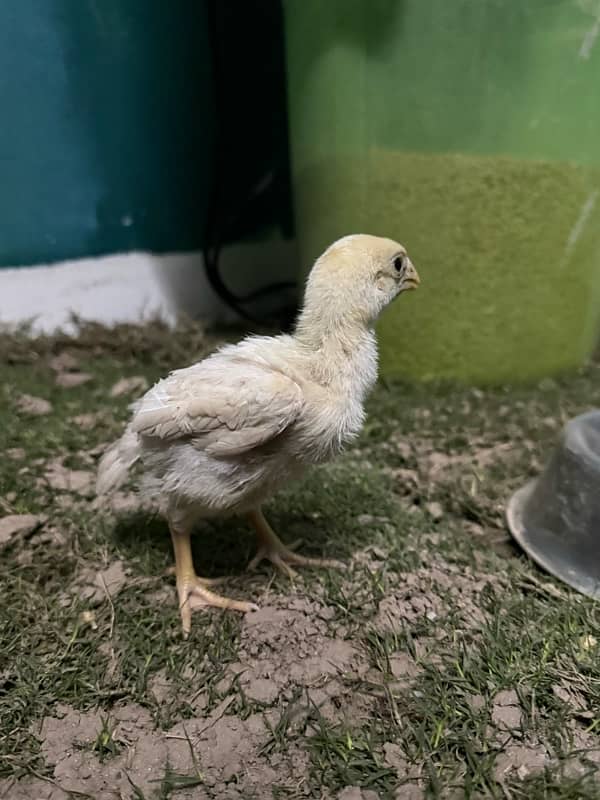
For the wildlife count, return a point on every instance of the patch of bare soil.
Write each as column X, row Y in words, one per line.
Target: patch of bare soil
column 409, row 775
column 234, row 758
column 289, row 661
column 430, row 593
column 458, row 482
column 227, row 756
column 135, row 755
column 520, row 760
column 287, row 647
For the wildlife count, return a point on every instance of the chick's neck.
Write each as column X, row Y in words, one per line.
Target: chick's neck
column 342, row 352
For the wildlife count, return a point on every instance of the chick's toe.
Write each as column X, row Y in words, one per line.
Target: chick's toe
column 271, row 548
column 193, row 594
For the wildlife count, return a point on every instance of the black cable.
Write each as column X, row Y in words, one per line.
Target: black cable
column 231, row 40
column 211, row 260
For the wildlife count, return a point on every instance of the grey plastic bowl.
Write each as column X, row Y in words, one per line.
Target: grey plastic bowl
column 556, row 518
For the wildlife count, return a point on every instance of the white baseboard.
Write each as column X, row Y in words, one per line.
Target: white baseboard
column 129, row 287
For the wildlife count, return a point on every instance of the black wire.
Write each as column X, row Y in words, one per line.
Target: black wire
column 235, row 302
column 212, row 254
column 222, row 215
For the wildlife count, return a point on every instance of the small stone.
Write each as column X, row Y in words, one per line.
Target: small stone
column 368, row 519
column 33, row 406
column 393, row 756
column 404, row 449
column 435, row 510
column 86, row 421
column 409, row 791
column 64, row 479
column 113, row 579
column 506, row 711
column 68, row 380
column 522, row 760
column 262, row 690
column 16, row 453
column 476, row 702
column 351, row 793
column 18, row 525
column 64, row 362
column 407, row 478
column 89, row 618
column 403, row 666
column 137, row 383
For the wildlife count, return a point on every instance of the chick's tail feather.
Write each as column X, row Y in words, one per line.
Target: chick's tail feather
column 117, row 461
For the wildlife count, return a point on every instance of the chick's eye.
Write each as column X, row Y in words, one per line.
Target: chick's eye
column 399, row 263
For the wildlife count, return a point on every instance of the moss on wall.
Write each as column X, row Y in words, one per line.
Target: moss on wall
column 508, row 251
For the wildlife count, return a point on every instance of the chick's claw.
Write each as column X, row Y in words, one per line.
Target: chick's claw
column 282, row 558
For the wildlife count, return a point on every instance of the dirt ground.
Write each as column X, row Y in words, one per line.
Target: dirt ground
column 440, row 664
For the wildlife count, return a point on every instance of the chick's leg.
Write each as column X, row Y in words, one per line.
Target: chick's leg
column 271, row 548
column 192, row 591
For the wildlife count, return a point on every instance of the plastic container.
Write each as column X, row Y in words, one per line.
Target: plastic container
column 556, row 518
column 469, row 131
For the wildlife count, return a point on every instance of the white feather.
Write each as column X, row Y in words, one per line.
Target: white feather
column 222, row 435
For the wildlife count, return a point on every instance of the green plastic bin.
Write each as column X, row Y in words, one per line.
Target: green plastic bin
column 470, row 131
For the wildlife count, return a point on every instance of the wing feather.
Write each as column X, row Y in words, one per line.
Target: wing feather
column 224, row 406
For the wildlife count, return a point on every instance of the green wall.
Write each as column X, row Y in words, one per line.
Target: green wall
column 470, row 131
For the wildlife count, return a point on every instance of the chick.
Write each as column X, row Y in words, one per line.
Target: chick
column 220, row 437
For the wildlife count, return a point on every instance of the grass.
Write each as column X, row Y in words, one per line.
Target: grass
column 416, row 507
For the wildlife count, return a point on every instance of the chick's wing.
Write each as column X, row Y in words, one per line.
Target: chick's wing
column 224, row 406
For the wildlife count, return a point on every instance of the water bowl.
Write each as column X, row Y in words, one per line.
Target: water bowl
column 556, row 517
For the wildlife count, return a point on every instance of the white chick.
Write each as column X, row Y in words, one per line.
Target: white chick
column 220, row 437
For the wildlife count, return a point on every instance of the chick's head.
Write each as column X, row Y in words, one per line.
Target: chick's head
column 357, row 277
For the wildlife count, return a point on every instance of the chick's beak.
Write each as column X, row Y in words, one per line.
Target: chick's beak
column 410, row 279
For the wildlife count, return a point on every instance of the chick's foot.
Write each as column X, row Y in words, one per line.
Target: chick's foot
column 271, row 548
column 193, row 593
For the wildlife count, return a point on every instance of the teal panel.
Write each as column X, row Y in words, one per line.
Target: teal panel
column 106, row 129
